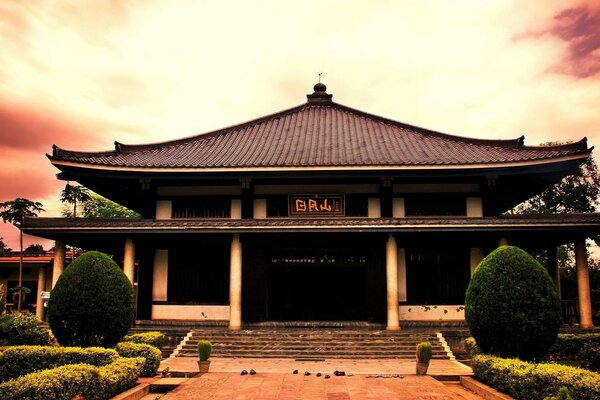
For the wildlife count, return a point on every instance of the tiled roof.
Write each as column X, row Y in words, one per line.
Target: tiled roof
column 525, row 221
column 320, row 133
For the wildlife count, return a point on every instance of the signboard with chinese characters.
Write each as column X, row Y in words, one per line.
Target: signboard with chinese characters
column 316, row 205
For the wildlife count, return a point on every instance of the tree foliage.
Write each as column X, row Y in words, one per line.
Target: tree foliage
column 74, row 194
column 92, row 303
column 34, row 249
column 3, row 247
column 512, row 307
column 97, row 206
column 574, row 194
column 14, row 211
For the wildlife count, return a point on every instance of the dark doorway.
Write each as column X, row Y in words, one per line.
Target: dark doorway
column 437, row 276
column 318, row 288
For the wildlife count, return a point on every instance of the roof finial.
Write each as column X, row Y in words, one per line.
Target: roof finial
column 320, row 73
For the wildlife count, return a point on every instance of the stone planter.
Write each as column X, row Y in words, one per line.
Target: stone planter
column 203, row 366
column 422, row 368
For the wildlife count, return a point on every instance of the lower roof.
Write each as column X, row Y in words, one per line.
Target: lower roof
column 54, row 227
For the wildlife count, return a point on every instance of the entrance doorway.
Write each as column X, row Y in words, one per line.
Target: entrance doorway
column 322, row 287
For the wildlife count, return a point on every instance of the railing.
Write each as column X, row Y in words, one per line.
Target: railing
column 570, row 313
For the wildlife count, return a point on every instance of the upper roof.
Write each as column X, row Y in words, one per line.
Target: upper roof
column 319, row 133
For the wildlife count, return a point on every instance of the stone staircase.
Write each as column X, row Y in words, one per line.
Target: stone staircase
column 312, row 344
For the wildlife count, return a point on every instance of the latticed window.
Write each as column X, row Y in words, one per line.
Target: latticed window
column 202, row 207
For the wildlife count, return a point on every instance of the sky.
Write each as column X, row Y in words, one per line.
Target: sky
column 82, row 74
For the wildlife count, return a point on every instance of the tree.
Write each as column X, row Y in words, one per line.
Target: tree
column 14, row 212
column 574, row 194
column 3, row 247
column 512, row 307
column 97, row 206
column 34, row 249
column 92, row 303
column 72, row 194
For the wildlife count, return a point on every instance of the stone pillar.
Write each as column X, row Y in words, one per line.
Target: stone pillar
column 503, row 242
column 235, row 284
column 583, row 285
column 39, row 310
column 393, row 323
column 129, row 259
column 553, row 268
column 476, row 257
column 58, row 263
column 160, row 275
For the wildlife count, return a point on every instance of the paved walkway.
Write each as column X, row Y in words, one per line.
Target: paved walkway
column 276, row 386
column 384, row 379
column 279, row 365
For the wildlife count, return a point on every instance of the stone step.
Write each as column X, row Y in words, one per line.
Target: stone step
column 313, row 355
column 339, row 345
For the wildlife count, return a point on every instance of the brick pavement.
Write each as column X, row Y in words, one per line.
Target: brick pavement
column 286, row 386
column 279, row 365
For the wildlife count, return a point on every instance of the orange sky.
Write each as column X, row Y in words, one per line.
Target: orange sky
column 82, row 74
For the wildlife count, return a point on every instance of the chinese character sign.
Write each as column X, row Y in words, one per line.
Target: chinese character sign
column 316, row 205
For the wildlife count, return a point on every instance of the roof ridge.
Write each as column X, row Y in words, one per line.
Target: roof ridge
column 508, row 143
column 124, row 148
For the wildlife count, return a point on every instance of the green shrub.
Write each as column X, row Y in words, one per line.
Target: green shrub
column 569, row 345
column 21, row 360
column 563, row 394
column 424, row 352
column 17, row 329
column 156, row 339
column 528, row 381
column 471, row 347
column 69, row 381
column 150, row 353
column 204, row 349
column 512, row 307
column 92, row 303
column 590, row 356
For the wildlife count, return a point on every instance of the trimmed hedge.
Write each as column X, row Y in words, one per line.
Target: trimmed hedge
column 69, row 381
column 103, row 321
column 17, row 361
column 590, row 356
column 512, row 307
column 156, row 339
column 569, row 344
column 150, row 353
column 21, row 329
column 528, row 381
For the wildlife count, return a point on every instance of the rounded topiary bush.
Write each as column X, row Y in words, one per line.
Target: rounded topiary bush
column 512, row 307
column 92, row 303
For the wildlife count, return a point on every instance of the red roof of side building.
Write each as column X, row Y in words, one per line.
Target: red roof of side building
column 320, row 133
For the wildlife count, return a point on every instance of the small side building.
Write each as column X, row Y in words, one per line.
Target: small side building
column 318, row 212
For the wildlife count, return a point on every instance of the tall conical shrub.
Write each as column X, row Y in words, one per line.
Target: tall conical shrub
column 92, row 303
column 512, row 307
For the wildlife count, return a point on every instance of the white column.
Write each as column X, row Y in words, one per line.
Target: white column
column 160, row 275
column 503, row 242
column 41, row 286
column 129, row 259
column 583, row 285
column 58, row 263
column 476, row 257
column 393, row 323
column 235, row 284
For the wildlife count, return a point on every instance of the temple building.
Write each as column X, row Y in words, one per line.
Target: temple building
column 317, row 213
